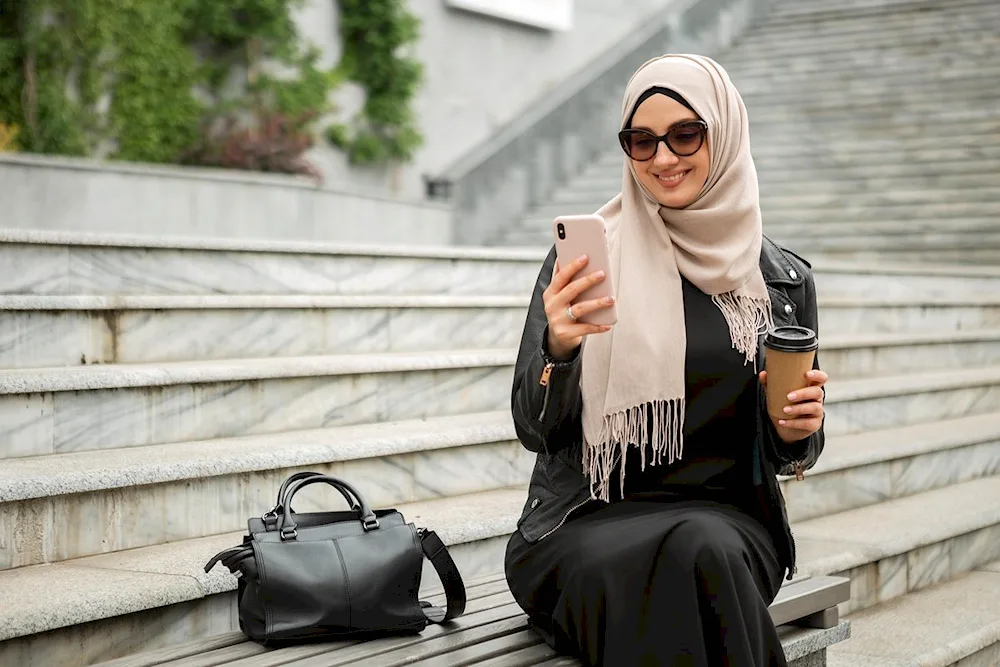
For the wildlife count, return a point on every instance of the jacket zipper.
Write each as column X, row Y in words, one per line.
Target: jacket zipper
column 800, row 473
column 565, row 516
column 544, row 381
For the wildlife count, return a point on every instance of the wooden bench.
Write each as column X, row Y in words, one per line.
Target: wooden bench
column 493, row 633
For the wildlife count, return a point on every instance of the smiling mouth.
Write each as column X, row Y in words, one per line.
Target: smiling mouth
column 671, row 180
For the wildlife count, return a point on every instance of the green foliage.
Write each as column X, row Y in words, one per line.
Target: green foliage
column 160, row 80
column 375, row 32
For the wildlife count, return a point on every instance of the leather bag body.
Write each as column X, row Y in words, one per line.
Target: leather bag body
column 332, row 575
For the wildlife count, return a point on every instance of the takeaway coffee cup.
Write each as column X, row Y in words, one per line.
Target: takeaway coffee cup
column 790, row 354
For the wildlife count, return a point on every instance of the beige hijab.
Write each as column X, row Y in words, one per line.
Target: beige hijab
column 633, row 380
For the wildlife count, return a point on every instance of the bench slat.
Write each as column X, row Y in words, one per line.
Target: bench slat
column 222, row 656
column 342, row 653
column 526, row 657
column 164, row 655
column 498, row 647
column 800, row 600
column 479, row 580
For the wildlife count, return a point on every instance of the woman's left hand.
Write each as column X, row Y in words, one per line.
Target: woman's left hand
column 805, row 416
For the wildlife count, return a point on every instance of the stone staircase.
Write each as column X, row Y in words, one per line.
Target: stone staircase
column 156, row 392
column 874, row 127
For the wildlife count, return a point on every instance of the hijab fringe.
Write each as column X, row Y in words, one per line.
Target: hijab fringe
column 747, row 318
column 665, row 418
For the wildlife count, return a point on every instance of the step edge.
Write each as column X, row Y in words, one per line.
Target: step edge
column 245, row 454
column 137, row 376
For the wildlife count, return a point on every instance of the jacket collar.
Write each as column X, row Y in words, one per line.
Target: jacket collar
column 777, row 267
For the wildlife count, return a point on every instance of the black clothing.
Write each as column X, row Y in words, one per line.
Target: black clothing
column 682, row 570
column 719, row 419
column 547, row 418
column 641, row 582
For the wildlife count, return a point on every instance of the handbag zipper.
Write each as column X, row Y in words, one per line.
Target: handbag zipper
column 566, row 516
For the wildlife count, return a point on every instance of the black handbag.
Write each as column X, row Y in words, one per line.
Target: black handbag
column 332, row 575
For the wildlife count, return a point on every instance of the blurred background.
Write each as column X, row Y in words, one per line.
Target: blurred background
column 241, row 238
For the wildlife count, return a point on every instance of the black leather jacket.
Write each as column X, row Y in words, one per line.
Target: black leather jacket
column 547, row 414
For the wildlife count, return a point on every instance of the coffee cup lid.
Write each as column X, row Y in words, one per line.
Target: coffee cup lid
column 791, row 339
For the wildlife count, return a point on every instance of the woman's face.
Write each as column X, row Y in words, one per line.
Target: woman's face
column 674, row 181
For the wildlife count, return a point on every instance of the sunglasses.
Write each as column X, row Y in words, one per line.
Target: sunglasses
column 683, row 140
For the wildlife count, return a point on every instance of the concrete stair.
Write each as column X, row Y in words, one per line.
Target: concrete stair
column 122, row 475
column 856, row 162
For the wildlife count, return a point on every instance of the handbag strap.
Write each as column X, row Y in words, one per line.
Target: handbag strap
column 451, row 578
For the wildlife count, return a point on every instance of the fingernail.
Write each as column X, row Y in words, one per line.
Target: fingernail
column 782, row 422
column 788, row 410
column 583, row 258
column 610, row 299
column 792, row 396
column 600, row 274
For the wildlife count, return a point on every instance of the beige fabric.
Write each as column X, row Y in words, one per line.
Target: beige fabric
column 633, row 377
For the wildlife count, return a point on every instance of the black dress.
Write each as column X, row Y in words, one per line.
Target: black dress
column 681, row 571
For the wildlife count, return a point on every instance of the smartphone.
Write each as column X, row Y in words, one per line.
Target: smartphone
column 587, row 235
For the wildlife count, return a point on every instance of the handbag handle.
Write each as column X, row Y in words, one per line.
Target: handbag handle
column 303, row 475
column 289, row 527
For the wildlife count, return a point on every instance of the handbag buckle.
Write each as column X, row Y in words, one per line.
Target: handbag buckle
column 370, row 523
column 289, row 533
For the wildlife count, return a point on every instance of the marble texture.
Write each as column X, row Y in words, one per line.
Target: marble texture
column 44, row 338
column 937, row 626
column 827, row 491
column 268, row 269
column 802, row 642
column 111, row 638
column 860, row 360
column 846, row 416
column 63, row 527
column 65, row 421
column 850, row 316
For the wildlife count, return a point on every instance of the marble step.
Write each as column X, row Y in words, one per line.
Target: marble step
column 41, row 331
column 862, row 404
column 874, row 117
column 876, row 227
column 884, row 66
column 952, row 623
column 879, row 354
column 62, row 410
column 118, row 603
column 53, row 263
column 861, row 316
column 937, row 34
column 139, row 588
column 867, row 468
column 872, row 78
column 931, row 243
column 69, row 506
column 847, row 211
column 903, row 545
column 986, row 257
column 810, row 11
column 901, row 33
column 828, row 98
column 911, row 282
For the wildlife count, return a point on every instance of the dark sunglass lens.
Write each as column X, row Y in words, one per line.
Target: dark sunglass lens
column 641, row 145
column 686, row 139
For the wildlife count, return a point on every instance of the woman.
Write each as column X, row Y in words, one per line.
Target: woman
column 654, row 532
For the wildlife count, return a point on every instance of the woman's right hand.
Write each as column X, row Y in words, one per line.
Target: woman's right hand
column 565, row 334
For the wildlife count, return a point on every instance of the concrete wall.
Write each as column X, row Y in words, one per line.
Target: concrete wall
column 480, row 74
column 80, row 195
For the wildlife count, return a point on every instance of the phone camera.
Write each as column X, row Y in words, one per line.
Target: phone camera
column 561, row 230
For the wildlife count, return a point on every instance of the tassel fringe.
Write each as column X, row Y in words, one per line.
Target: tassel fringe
column 659, row 425
column 747, row 317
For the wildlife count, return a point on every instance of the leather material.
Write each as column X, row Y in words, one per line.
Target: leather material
column 329, row 575
column 547, row 418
